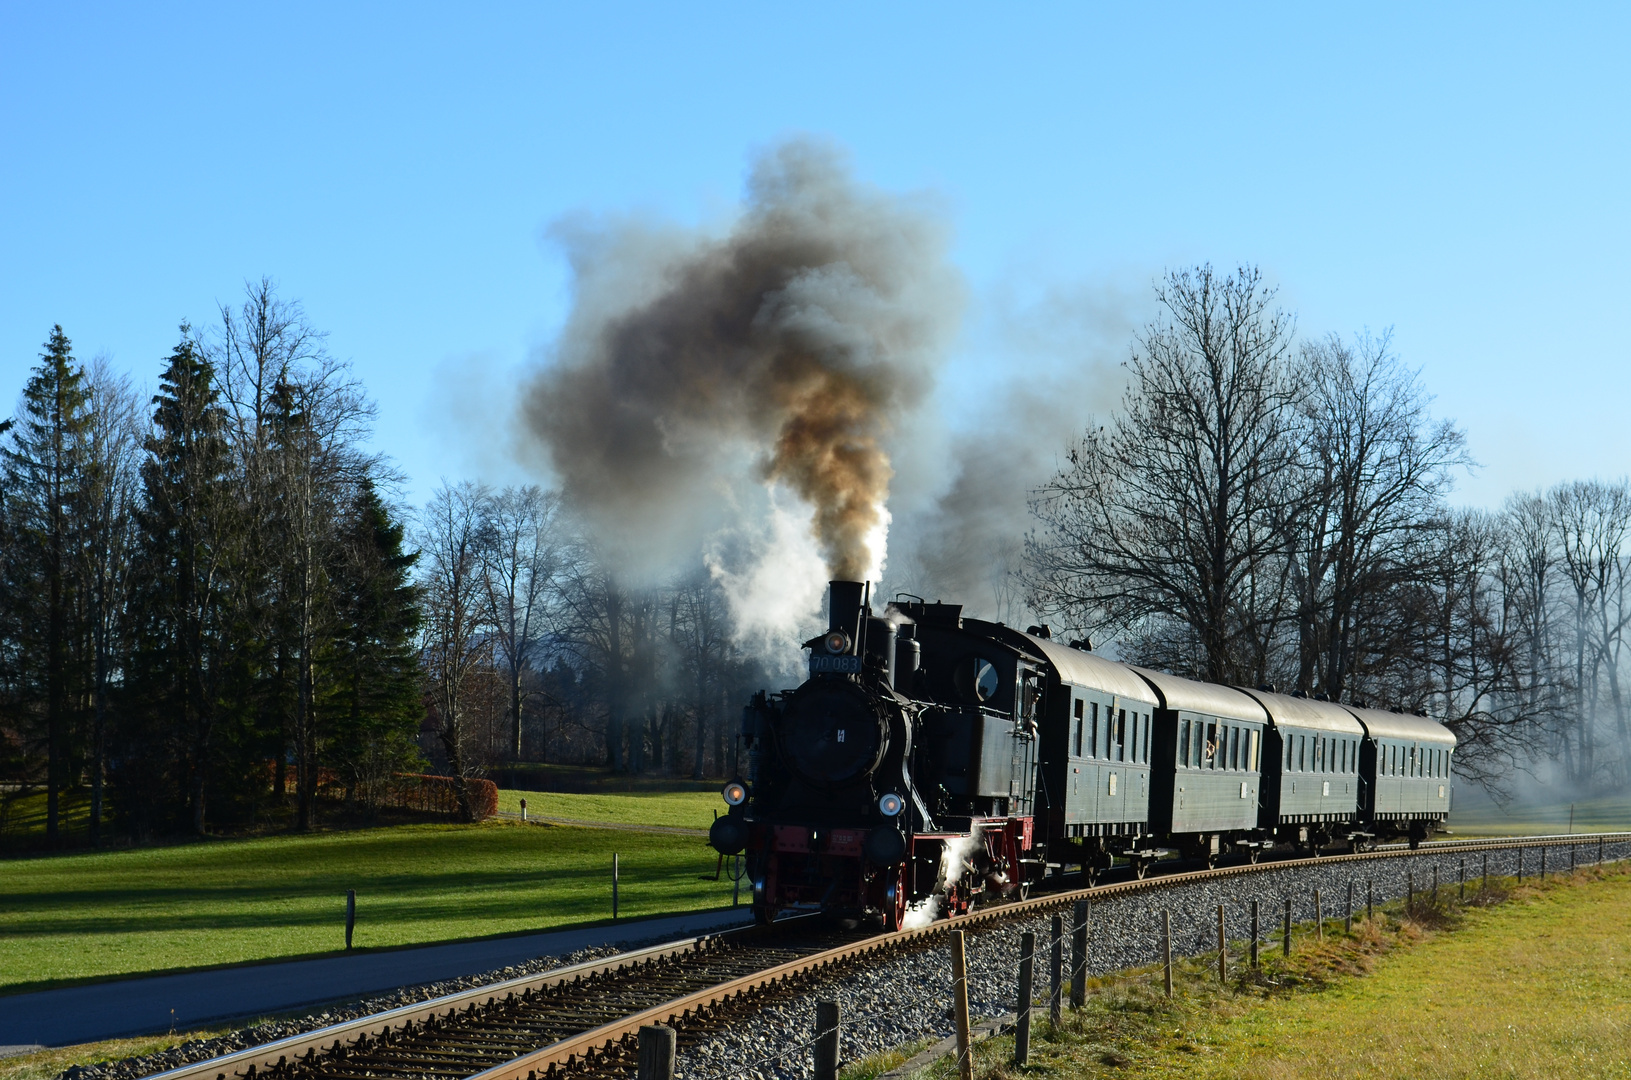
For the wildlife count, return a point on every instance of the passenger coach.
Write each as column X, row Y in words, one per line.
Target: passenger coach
column 1311, row 792
column 1406, row 763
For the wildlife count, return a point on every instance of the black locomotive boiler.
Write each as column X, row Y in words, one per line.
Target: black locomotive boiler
column 931, row 762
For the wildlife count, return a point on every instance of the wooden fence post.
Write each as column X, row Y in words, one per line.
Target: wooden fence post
column 1369, row 909
column 1223, row 954
column 1348, row 920
column 350, row 915
column 1461, row 884
column 1166, row 948
column 1287, row 942
column 1486, row 870
column 1543, row 862
column 614, row 885
column 1022, row 1010
column 826, row 1040
column 1078, row 955
column 1257, row 935
column 959, row 1003
column 656, row 1060
column 1056, row 969
column 1319, row 918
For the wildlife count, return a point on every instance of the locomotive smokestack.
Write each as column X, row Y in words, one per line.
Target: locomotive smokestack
column 844, row 609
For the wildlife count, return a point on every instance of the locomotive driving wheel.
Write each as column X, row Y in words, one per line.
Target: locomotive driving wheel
column 896, row 898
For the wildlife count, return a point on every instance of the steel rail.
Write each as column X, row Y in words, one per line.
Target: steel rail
column 255, row 1059
column 613, row 1041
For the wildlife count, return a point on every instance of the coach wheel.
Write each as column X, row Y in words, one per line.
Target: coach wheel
column 1211, row 860
column 1140, row 869
column 763, row 914
column 1254, row 855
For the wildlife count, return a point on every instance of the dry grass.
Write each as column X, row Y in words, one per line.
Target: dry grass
column 1522, row 981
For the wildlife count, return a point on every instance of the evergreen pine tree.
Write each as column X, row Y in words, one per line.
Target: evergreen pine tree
column 376, row 703
column 183, row 555
column 45, row 480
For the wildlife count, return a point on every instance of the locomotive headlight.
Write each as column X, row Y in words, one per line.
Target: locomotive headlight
column 736, row 793
column 891, row 805
column 837, row 642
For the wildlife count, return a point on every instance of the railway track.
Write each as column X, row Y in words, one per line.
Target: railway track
column 582, row 1019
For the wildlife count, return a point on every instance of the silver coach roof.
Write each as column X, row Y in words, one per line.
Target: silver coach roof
column 1089, row 669
column 1209, row 698
column 1392, row 725
column 1306, row 712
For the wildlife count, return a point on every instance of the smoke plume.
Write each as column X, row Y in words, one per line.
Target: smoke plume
column 695, row 367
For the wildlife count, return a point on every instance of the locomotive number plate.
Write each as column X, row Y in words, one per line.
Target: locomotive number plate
column 837, row 665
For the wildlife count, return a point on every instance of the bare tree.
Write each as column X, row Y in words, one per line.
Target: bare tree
column 1374, row 472
column 456, row 648
column 113, row 480
column 1590, row 520
column 521, row 554
column 1168, row 516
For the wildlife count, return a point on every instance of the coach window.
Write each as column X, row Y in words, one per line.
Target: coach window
column 1079, row 722
column 1255, row 735
column 1234, row 747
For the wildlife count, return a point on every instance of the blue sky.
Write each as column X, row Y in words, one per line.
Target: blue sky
column 1459, row 174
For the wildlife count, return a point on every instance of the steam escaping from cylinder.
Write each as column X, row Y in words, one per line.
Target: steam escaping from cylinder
column 700, row 373
column 954, row 864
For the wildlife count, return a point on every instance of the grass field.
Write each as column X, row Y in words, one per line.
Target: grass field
column 682, row 809
column 1478, row 816
column 78, row 917
column 22, row 817
column 1537, row 986
column 585, row 780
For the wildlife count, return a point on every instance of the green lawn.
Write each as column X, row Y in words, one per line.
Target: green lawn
column 685, row 809
column 22, row 817
column 76, row 917
column 1475, row 816
column 1537, row 986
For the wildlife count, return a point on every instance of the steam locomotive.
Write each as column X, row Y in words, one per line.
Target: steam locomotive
column 932, row 762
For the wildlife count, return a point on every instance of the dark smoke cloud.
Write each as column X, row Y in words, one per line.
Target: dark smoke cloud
column 783, row 350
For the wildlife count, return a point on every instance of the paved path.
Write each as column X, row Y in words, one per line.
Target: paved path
column 110, row 1010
